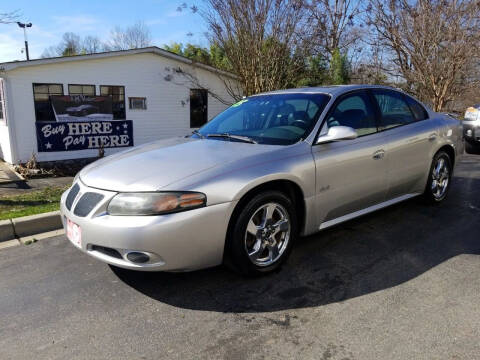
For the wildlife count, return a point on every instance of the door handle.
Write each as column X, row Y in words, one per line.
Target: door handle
column 432, row 137
column 379, row 154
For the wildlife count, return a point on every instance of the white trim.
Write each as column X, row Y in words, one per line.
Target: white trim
column 365, row 211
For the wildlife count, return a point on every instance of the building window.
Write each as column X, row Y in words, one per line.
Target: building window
column 87, row 90
column 41, row 98
column 3, row 115
column 117, row 93
column 137, row 103
column 198, row 107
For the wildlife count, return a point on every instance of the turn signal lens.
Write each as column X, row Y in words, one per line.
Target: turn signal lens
column 155, row 203
column 191, row 200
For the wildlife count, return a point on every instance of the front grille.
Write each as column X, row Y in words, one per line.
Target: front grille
column 71, row 196
column 86, row 203
column 106, row 251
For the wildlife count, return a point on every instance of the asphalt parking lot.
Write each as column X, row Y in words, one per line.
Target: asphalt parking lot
column 401, row 283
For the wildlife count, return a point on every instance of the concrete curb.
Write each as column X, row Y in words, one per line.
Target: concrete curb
column 29, row 225
column 6, row 230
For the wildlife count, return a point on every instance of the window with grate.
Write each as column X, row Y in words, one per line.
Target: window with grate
column 137, row 103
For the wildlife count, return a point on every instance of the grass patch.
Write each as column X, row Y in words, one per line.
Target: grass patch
column 35, row 202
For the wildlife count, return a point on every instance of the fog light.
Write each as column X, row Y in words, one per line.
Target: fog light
column 469, row 132
column 138, row 257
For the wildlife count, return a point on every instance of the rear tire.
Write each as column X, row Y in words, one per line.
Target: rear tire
column 262, row 234
column 439, row 178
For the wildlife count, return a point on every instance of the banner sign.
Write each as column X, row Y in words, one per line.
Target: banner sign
column 68, row 136
column 81, row 107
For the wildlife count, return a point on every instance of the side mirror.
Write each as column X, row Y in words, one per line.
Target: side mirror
column 337, row 133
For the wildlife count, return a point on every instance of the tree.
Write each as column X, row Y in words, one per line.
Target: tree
column 213, row 56
column 262, row 40
column 133, row 37
column 314, row 73
column 92, row 45
column 332, row 24
column 339, row 68
column 433, row 45
column 71, row 44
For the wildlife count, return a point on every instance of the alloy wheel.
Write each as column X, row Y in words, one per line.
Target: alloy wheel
column 440, row 178
column 267, row 234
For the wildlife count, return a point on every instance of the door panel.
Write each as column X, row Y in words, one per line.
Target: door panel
column 410, row 137
column 408, row 155
column 351, row 175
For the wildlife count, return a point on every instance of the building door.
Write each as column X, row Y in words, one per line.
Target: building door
column 198, row 107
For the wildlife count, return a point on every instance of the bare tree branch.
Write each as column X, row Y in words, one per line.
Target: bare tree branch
column 9, row 17
column 133, row 37
column 433, row 44
column 262, row 40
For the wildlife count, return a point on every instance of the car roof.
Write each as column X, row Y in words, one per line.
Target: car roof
column 333, row 90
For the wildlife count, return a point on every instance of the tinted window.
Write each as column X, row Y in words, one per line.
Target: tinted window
column 356, row 111
column 394, row 109
column 280, row 119
column 418, row 110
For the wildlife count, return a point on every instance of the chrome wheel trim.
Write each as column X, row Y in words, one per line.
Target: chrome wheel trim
column 267, row 234
column 440, row 178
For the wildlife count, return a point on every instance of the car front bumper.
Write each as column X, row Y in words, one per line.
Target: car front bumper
column 181, row 241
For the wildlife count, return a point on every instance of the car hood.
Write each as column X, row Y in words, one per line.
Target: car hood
column 151, row 166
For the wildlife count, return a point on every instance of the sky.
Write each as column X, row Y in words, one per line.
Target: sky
column 52, row 18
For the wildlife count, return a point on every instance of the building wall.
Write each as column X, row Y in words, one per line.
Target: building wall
column 143, row 75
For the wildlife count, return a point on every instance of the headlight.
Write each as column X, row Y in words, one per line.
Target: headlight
column 156, row 203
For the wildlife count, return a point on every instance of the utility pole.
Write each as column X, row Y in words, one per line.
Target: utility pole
column 24, row 26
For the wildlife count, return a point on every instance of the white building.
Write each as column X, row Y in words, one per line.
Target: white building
column 162, row 94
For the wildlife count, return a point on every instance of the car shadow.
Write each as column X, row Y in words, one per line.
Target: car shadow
column 375, row 252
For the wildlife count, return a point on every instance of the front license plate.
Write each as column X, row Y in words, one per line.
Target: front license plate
column 74, row 233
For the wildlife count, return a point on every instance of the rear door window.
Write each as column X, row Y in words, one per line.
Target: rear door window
column 394, row 109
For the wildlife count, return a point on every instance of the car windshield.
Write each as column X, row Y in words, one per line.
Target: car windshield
column 278, row 119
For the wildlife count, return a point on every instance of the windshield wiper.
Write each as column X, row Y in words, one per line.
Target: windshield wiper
column 235, row 137
column 196, row 132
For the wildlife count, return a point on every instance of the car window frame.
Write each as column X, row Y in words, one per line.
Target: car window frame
column 404, row 96
column 341, row 98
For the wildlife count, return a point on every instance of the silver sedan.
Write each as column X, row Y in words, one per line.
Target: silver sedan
column 272, row 167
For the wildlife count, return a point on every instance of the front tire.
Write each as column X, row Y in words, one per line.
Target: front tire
column 439, row 178
column 262, row 234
